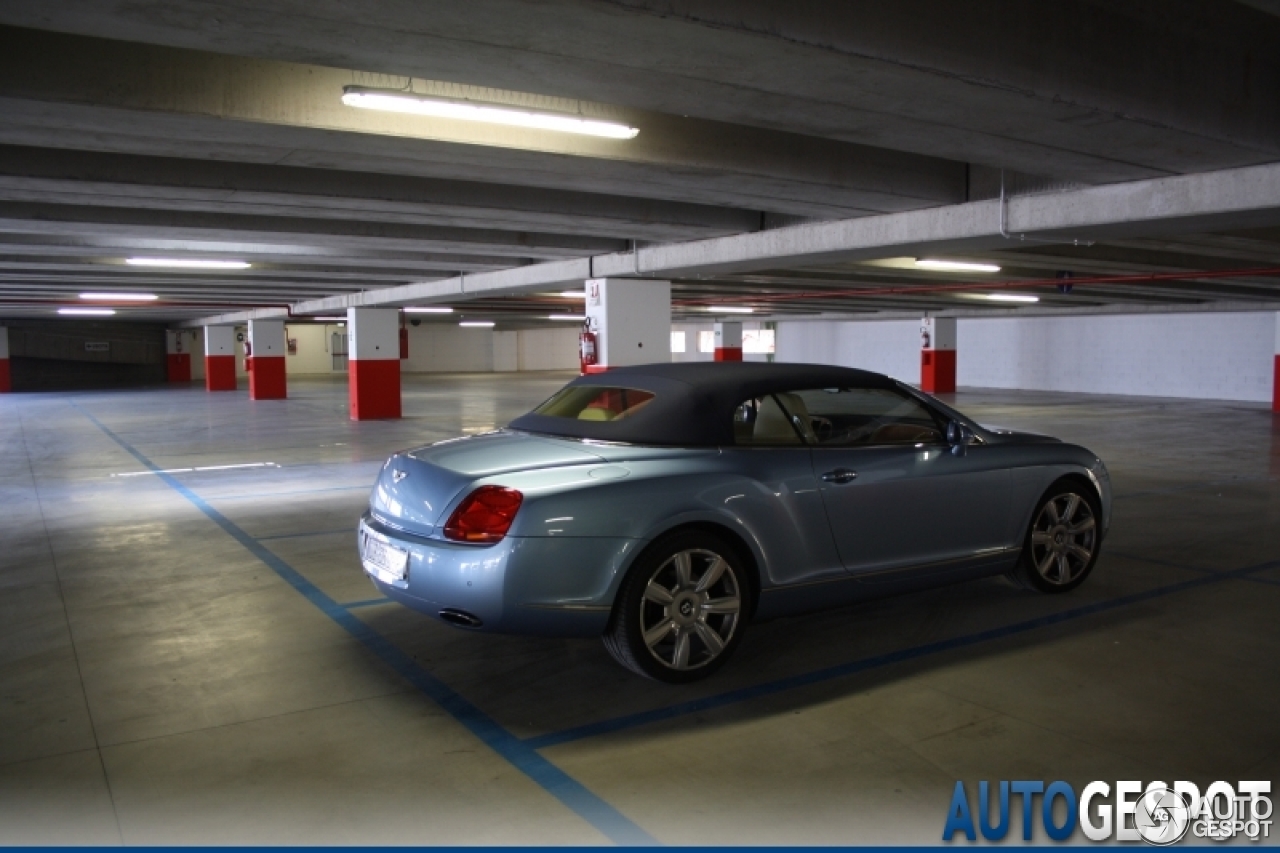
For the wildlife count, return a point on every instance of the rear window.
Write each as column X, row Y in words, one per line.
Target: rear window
column 595, row 403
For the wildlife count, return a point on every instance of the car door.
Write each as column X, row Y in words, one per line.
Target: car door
column 894, row 493
column 784, row 509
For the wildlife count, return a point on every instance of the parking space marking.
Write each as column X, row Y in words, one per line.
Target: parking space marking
column 571, row 793
column 347, row 530
column 277, row 494
column 372, row 602
column 744, row 694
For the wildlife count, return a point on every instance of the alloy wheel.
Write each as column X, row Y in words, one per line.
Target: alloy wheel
column 1063, row 538
column 690, row 609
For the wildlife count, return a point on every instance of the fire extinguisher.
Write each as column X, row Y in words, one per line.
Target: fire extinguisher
column 588, row 353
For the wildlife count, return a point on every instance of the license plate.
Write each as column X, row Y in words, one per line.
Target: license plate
column 383, row 560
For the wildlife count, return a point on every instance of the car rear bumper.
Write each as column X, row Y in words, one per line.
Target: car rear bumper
column 553, row 586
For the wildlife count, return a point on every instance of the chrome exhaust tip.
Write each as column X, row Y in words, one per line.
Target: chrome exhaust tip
column 461, row 618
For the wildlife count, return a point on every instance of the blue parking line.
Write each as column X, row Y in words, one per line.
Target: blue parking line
column 372, row 602
column 733, row 697
column 270, row 494
column 573, row 794
column 350, row 529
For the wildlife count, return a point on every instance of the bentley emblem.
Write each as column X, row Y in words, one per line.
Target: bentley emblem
column 397, row 475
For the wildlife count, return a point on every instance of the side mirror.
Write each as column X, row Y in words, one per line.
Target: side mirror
column 959, row 436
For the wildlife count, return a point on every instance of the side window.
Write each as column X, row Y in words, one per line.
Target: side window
column 762, row 422
column 843, row 417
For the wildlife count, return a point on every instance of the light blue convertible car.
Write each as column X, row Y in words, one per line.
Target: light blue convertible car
column 663, row 507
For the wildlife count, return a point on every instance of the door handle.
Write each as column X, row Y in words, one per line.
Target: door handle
column 839, row 475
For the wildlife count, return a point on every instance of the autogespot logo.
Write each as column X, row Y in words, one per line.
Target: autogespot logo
column 1158, row 814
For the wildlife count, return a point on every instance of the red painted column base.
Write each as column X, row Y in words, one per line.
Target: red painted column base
column 178, row 367
column 220, row 373
column 1275, row 391
column 595, row 368
column 728, row 354
column 5, row 382
column 938, row 371
column 374, row 389
column 266, row 378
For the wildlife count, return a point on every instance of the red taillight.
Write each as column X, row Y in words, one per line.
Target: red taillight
column 484, row 516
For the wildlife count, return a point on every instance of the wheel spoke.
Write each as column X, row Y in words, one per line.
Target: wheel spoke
column 658, row 633
column 1039, row 537
column 684, row 570
column 1064, row 568
column 680, row 660
column 1085, row 525
column 1043, row 566
column 657, row 594
column 1052, row 509
column 727, row 605
column 709, row 637
column 1073, row 503
column 712, row 575
column 1082, row 553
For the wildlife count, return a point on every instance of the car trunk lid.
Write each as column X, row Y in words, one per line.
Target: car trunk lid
column 415, row 487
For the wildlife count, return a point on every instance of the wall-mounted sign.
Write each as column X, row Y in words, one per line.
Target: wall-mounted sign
column 97, row 346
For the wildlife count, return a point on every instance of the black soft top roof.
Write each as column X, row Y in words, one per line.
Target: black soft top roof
column 693, row 402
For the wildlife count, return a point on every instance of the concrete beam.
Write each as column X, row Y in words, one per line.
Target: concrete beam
column 1213, row 201
column 37, row 218
column 67, row 176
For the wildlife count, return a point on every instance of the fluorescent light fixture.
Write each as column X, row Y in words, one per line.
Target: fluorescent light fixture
column 1012, row 297
column 954, row 266
column 426, row 309
column 477, row 324
column 578, row 317
column 405, row 102
column 574, row 294
column 188, row 263
column 728, row 309
column 330, row 319
column 120, row 297
column 87, row 312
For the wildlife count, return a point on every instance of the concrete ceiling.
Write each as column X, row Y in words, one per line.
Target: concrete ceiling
column 214, row 129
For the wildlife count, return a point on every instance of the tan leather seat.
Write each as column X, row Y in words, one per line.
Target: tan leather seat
column 595, row 414
column 773, row 426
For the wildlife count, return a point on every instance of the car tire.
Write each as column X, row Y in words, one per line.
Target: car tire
column 1062, row 541
column 681, row 610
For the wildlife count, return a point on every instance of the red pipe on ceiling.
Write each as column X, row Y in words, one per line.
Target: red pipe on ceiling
column 986, row 285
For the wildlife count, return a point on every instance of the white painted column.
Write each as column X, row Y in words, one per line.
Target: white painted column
column 373, row 353
column 728, row 338
column 177, row 348
column 1275, row 377
column 6, row 383
column 938, row 355
column 631, row 320
column 266, row 360
column 220, row 358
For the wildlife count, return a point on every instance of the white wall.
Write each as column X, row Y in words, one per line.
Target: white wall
column 448, row 348
column 506, row 351
column 548, row 349
column 889, row 346
column 1212, row 356
column 442, row 347
column 314, row 355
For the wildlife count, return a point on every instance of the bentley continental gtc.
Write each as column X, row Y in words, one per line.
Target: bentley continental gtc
column 664, row 507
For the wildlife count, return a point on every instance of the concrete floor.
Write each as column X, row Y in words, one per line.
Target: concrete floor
column 195, row 657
